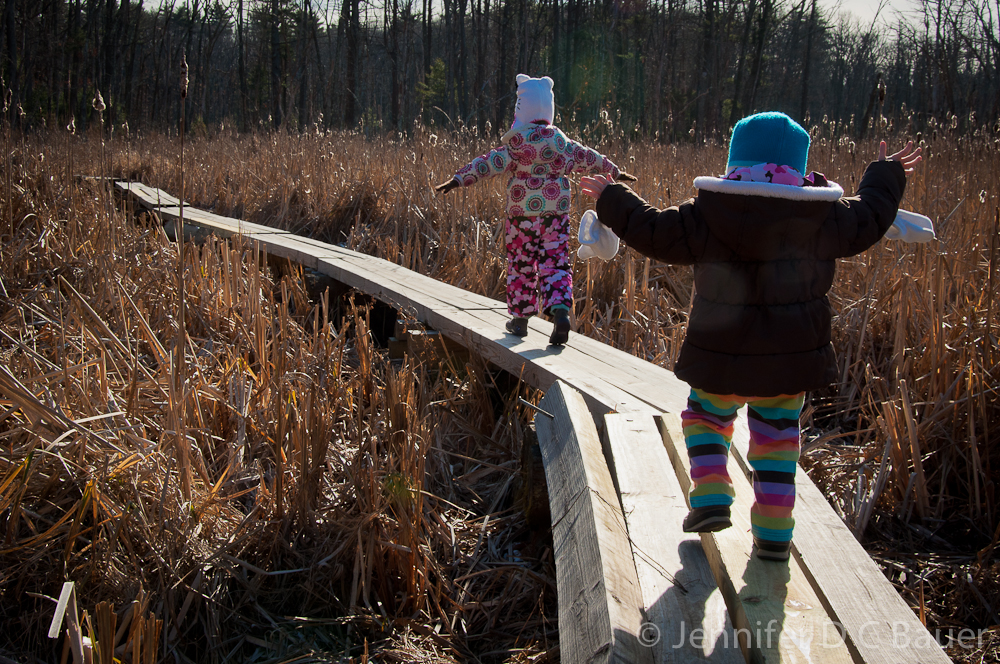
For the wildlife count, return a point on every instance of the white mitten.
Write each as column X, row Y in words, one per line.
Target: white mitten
column 911, row 227
column 596, row 239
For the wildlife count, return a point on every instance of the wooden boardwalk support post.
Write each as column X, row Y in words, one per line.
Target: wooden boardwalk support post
column 600, row 617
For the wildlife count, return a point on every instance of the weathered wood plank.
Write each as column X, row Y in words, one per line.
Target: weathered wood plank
column 148, row 197
column 778, row 615
column 600, row 603
column 877, row 624
column 687, row 621
column 590, row 359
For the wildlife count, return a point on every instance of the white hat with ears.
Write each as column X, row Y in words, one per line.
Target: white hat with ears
column 535, row 101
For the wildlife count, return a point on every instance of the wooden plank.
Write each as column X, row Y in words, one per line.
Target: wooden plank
column 879, row 627
column 197, row 222
column 777, row 613
column 148, row 197
column 687, row 621
column 600, row 604
column 66, row 611
column 408, row 290
column 533, row 361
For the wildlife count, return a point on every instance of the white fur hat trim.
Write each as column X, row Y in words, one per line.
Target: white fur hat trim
column 831, row 192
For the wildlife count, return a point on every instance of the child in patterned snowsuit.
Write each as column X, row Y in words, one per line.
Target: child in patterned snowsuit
column 537, row 156
column 763, row 240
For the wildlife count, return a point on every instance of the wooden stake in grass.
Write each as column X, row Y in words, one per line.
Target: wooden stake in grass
column 178, row 406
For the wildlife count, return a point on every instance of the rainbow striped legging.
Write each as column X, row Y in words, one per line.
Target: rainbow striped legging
column 774, row 452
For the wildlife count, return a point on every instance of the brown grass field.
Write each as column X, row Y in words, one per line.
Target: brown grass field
column 282, row 491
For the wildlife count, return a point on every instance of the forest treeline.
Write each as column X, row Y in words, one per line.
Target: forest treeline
column 656, row 68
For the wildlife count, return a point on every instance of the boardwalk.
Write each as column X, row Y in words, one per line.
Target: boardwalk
column 632, row 586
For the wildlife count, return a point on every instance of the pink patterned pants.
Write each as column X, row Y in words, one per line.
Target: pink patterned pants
column 538, row 262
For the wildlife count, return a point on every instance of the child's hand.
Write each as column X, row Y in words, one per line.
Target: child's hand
column 908, row 157
column 445, row 187
column 593, row 186
column 626, row 177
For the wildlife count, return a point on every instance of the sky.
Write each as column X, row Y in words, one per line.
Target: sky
column 864, row 10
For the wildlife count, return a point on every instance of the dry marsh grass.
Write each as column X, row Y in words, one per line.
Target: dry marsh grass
column 281, row 517
column 295, row 494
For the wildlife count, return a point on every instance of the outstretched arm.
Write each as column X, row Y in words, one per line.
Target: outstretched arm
column 484, row 166
column 860, row 221
column 673, row 235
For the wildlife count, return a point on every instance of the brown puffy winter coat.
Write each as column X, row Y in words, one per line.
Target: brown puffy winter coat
column 764, row 257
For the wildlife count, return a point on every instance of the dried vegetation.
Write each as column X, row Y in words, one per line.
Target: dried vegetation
column 294, row 471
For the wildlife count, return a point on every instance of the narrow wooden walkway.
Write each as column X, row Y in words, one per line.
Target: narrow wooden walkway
column 632, row 586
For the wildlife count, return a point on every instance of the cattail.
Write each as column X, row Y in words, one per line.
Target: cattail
column 99, row 103
column 881, row 91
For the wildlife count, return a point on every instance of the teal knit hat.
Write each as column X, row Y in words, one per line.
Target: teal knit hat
column 769, row 138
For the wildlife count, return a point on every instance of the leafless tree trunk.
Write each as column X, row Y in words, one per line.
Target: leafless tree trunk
column 763, row 24
column 242, row 67
column 276, row 68
column 807, row 61
column 351, row 11
column 12, row 64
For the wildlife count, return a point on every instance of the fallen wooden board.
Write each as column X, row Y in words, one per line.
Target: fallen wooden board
column 600, row 604
column 778, row 615
column 687, row 621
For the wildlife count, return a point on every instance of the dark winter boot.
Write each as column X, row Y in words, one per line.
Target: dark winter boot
column 707, row 519
column 518, row 327
column 771, row 550
column 560, row 328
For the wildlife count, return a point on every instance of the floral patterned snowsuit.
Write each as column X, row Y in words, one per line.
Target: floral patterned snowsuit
column 538, row 157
